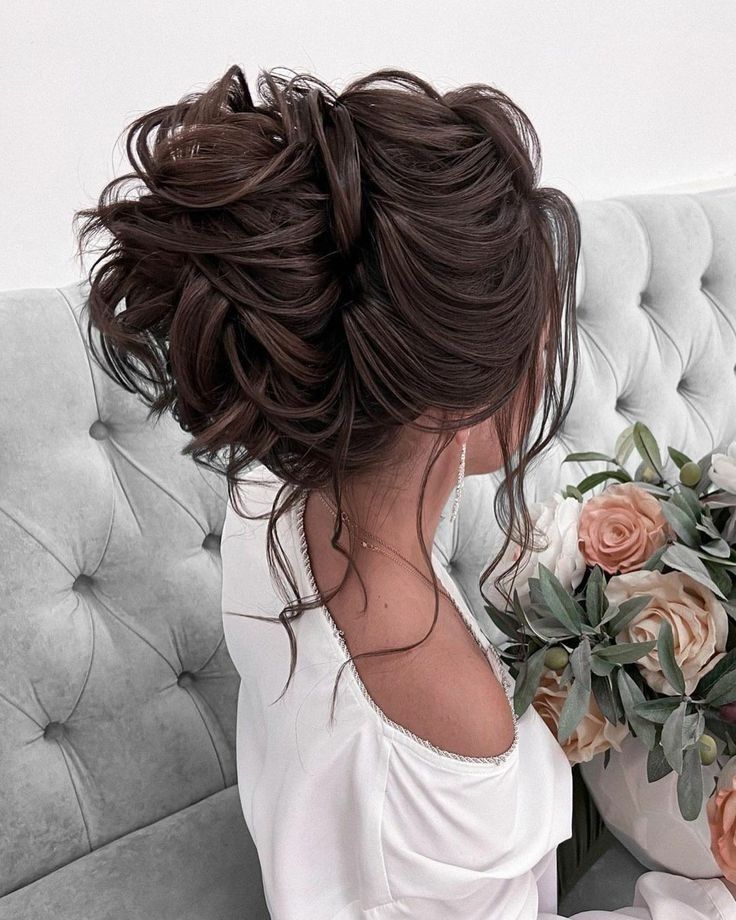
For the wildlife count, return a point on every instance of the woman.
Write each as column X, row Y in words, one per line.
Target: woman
column 352, row 302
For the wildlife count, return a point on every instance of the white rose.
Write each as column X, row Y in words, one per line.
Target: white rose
column 723, row 468
column 557, row 521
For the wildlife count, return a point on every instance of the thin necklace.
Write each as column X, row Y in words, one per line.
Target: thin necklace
column 381, row 543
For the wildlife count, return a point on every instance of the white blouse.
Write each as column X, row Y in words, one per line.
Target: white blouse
column 364, row 819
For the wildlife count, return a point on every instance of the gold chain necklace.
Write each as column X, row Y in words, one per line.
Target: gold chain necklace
column 377, row 546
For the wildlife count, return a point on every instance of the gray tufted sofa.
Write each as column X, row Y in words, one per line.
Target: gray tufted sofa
column 118, row 794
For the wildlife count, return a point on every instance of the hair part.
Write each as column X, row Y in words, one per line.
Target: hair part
column 304, row 277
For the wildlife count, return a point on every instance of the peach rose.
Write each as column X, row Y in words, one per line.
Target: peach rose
column 594, row 732
column 620, row 528
column 699, row 623
column 721, row 811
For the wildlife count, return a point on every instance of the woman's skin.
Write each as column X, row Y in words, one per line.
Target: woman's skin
column 444, row 689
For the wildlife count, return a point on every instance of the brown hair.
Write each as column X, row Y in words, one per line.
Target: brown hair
column 304, row 277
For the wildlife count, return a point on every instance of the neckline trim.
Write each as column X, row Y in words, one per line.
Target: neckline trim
column 489, row 650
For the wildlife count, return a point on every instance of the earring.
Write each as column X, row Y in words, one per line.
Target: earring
column 459, row 484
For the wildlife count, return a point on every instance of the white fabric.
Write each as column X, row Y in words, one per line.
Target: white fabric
column 363, row 819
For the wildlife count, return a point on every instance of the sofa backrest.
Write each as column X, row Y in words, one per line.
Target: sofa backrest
column 117, row 694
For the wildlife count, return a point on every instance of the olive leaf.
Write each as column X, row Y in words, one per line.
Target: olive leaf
column 672, row 736
column 626, row 612
column 624, row 444
column 608, row 700
column 687, row 499
column 655, row 560
column 559, row 602
column 723, row 690
column 678, row 457
column 595, row 479
column 503, row 621
column 690, row 784
column 681, row 522
column 580, row 662
column 578, row 696
column 686, row 560
column 646, row 445
column 575, row 707
column 657, row 764
column 723, row 666
column 624, row 652
column 601, row 666
column 527, row 681
column 666, row 655
column 657, row 710
column 631, row 695
column 693, row 726
column 596, row 602
column 588, row 455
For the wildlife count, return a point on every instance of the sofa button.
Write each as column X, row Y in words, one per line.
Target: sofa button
column 99, row 430
column 185, row 679
column 211, row 542
column 53, row 731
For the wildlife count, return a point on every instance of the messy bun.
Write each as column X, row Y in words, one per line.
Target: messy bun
column 306, row 275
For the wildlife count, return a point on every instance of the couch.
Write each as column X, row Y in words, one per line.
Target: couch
column 118, row 787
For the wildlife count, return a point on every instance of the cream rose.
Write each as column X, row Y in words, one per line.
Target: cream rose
column 622, row 527
column 722, row 469
column 721, row 812
column 699, row 623
column 594, row 732
column 557, row 521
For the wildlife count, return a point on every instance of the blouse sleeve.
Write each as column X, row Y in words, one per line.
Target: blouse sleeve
column 438, row 818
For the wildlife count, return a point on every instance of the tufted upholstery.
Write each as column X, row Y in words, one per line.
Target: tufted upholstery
column 117, row 695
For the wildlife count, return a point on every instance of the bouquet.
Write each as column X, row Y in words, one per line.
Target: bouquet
column 625, row 623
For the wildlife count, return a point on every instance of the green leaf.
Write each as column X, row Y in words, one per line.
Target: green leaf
column 525, row 618
column 690, row 784
column 723, row 691
column 658, row 710
column 625, row 652
column 559, row 602
column 657, row 764
column 708, row 527
column 575, row 707
column 655, row 560
column 722, row 666
column 630, row 696
column 679, row 458
column 507, row 624
column 624, row 444
column 627, row 610
column 602, row 667
column 718, row 548
column 527, row 682
column 595, row 479
column 672, row 737
column 666, row 654
column 682, row 558
column 693, row 727
column 580, row 662
column 596, row 602
column 681, row 523
column 572, row 491
column 604, row 695
column 588, row 455
column 687, row 498
column 646, row 445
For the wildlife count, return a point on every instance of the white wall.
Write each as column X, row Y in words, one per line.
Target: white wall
column 627, row 96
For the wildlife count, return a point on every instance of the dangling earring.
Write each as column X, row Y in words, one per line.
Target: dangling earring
column 459, row 485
